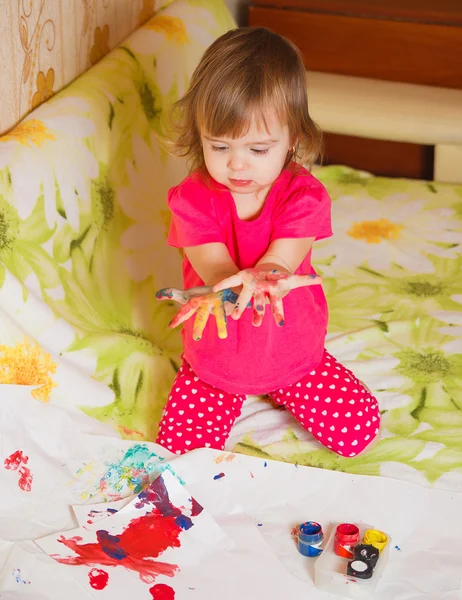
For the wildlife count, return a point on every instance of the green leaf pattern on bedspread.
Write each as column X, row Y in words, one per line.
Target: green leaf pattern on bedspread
column 83, row 223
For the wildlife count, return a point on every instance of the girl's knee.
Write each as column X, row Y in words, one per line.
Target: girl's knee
column 364, row 435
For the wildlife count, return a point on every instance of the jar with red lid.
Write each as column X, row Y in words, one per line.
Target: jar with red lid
column 346, row 538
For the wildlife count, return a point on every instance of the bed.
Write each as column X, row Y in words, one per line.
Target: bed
column 87, row 359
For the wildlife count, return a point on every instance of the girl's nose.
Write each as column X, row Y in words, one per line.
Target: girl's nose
column 237, row 163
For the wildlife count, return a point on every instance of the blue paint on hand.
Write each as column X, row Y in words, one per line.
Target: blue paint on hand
column 164, row 293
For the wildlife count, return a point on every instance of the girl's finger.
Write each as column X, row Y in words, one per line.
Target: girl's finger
column 277, row 307
column 259, row 301
column 220, row 316
column 229, row 282
column 297, row 281
column 241, row 304
column 172, row 294
column 200, row 321
column 201, row 290
column 183, row 314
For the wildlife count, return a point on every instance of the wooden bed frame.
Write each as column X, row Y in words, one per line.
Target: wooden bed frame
column 385, row 80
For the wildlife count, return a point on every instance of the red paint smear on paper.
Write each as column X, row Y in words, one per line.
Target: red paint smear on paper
column 25, row 479
column 17, row 462
column 196, row 508
column 143, row 540
column 161, row 591
column 98, row 579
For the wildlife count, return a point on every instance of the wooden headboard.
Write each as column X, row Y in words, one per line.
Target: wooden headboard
column 407, row 41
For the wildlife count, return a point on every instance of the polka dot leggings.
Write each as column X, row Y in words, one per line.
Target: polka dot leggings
column 330, row 402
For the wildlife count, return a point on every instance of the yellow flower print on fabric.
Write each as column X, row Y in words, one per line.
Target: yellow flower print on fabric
column 44, row 87
column 32, row 132
column 173, row 27
column 373, row 232
column 27, row 364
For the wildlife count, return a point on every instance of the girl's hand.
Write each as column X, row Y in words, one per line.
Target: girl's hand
column 203, row 301
column 261, row 285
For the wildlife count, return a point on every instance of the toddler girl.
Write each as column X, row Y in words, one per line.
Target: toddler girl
column 246, row 218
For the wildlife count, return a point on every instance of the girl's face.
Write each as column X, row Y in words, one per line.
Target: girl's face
column 250, row 164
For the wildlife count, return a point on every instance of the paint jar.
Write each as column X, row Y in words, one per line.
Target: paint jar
column 350, row 578
column 346, row 538
column 359, row 569
column 366, row 553
column 375, row 538
column 310, row 538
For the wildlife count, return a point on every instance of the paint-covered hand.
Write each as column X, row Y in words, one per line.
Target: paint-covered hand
column 262, row 286
column 202, row 302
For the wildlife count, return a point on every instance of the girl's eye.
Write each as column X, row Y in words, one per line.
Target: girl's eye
column 219, row 148
column 260, row 151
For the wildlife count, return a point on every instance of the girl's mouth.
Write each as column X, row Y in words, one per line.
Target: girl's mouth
column 241, row 182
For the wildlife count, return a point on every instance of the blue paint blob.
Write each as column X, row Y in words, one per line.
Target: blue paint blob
column 219, row 476
column 184, row 522
column 398, row 548
column 260, row 524
column 109, row 544
column 265, row 464
column 281, row 323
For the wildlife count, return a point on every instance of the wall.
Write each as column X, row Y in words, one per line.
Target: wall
column 238, row 9
column 44, row 44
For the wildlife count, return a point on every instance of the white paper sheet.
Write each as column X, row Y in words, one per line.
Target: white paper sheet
column 147, row 542
column 256, row 502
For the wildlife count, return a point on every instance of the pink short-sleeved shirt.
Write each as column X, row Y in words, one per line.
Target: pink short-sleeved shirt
column 254, row 360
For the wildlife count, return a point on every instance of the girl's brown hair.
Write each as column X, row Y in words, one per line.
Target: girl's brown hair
column 245, row 73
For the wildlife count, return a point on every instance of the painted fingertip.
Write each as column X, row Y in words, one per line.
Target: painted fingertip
column 281, row 323
column 197, row 338
column 259, row 308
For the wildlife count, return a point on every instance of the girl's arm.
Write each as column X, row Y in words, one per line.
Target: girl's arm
column 212, row 262
column 285, row 254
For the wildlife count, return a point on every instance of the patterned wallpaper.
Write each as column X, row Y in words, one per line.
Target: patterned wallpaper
column 45, row 44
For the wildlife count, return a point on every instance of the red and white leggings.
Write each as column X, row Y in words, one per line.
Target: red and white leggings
column 330, row 402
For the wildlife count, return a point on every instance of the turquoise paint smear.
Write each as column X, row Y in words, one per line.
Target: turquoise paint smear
column 133, row 472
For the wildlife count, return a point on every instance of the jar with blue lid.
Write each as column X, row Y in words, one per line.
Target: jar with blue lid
column 310, row 538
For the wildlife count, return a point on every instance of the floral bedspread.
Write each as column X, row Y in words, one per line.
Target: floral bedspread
column 392, row 274
column 83, row 222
